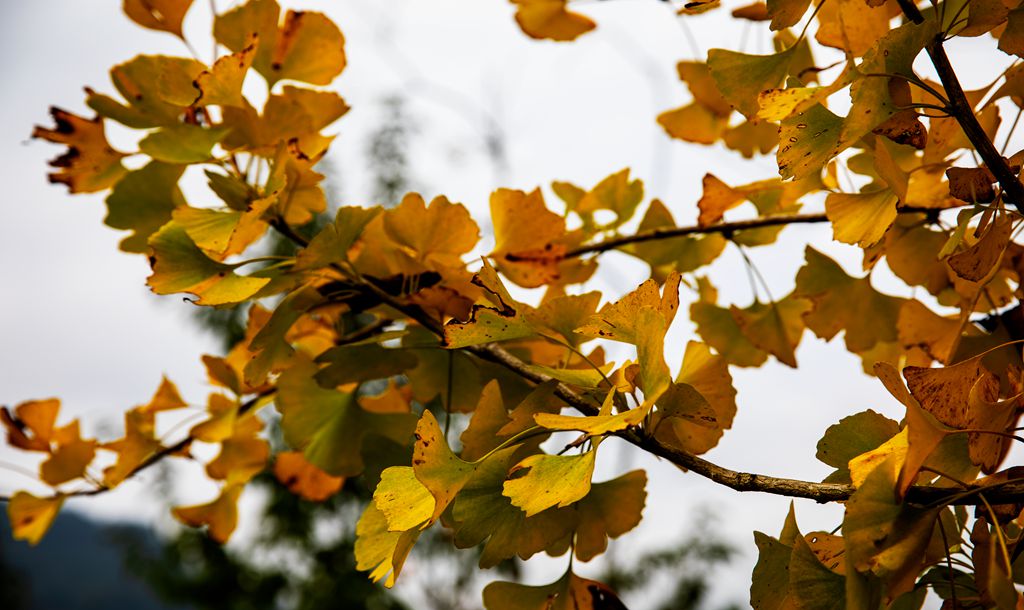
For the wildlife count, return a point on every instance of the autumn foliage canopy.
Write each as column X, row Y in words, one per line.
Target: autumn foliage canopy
column 393, row 352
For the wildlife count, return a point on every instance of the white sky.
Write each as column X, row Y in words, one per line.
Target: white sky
column 78, row 322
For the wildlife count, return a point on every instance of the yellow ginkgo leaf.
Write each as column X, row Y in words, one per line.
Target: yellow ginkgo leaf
column 138, row 444
column 550, row 19
column 570, row 592
column 380, row 551
column 403, row 500
column 436, row 235
column 861, row 218
column 30, row 516
column 31, row 425
column 180, row 266
column 307, row 47
column 166, row 398
column 70, row 456
column 617, row 321
column 527, row 237
column 221, row 84
column 219, row 516
column 550, row 480
column 440, row 470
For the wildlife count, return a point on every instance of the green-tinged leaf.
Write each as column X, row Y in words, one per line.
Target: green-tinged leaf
column 180, row 266
column 616, row 193
column 270, row 351
column 221, row 84
column 571, row 592
column 143, row 201
column 329, row 425
column 807, row 141
column 852, row 436
column 741, row 77
column 182, row 143
column 811, row 584
column 884, row 536
column 718, row 328
column 157, row 89
column 769, row 586
column 332, row 243
column 357, row 363
column 550, row 481
column 481, row 514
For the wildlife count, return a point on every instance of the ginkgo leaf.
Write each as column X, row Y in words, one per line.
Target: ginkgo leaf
column 811, row 583
column 69, row 459
column 482, row 514
column 611, row 509
column 379, row 551
column 852, row 26
column 221, row 84
column 861, row 218
column 853, row 436
column 769, row 587
column 180, row 266
column 527, row 246
column 405, row 502
column 224, row 233
column 786, row 13
column 294, row 116
column 220, row 516
column 891, row 454
column 699, row 421
column 920, row 327
column 434, row 464
column 977, row 262
column 841, row 302
column 31, row 516
column 307, row 47
column 182, row 143
column 719, row 329
column 333, row 242
column 31, row 426
column 269, row 350
column 487, row 324
column 149, row 99
column 741, row 77
column 693, row 123
column 143, row 201
column 807, row 141
column 491, row 423
column 162, row 15
column 551, row 20
column 884, row 536
column 304, row 479
column 328, row 425
column 773, row 327
column 90, row 163
column 549, row 481
column 436, row 235
column 139, row 443
column 570, row 592
column 564, row 314
column 242, row 456
column 617, row 194
column 617, row 321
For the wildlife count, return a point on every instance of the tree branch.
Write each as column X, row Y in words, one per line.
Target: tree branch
column 160, row 454
column 724, row 228
column 963, row 112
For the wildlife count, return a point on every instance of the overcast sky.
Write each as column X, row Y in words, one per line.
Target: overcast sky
column 79, row 323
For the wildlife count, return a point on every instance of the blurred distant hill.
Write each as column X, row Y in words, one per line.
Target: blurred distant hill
column 77, row 566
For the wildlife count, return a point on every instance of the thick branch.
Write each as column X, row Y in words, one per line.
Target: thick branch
column 723, row 228
column 963, row 112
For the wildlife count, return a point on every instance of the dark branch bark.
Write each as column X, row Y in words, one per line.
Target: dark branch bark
column 962, row 111
column 723, row 228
